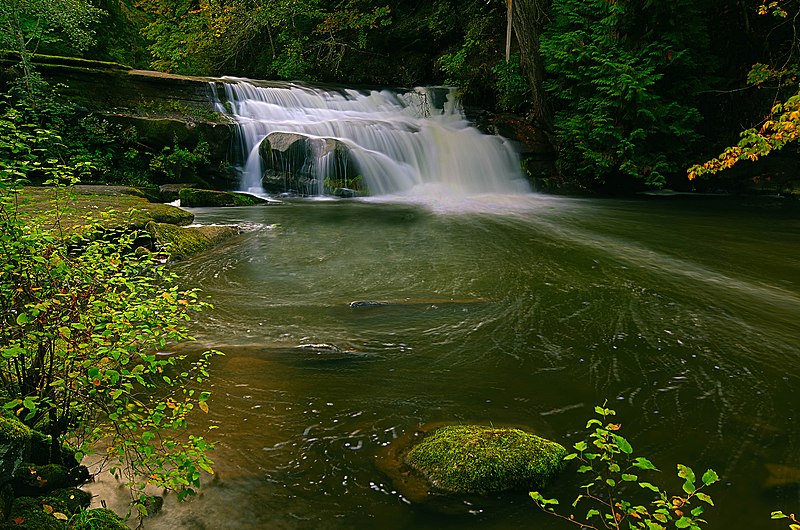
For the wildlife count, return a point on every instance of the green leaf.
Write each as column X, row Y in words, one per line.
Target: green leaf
column 623, row 444
column 709, row 477
column 580, row 446
column 683, row 522
column 643, row 463
column 686, row 472
column 591, row 513
column 22, row 319
column 627, row 477
column 697, row 511
column 707, row 499
column 774, row 515
column 649, row 486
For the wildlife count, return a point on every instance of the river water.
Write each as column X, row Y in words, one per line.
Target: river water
column 683, row 313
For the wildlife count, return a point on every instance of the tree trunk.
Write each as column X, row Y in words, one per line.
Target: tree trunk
column 529, row 18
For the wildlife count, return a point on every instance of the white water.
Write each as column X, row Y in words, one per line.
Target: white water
column 401, row 143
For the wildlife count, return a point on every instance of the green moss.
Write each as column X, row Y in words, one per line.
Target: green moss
column 13, row 430
column 191, row 197
column 33, row 480
column 112, row 206
column 479, row 459
column 97, row 519
column 34, row 514
column 183, row 242
column 74, row 500
column 14, row 444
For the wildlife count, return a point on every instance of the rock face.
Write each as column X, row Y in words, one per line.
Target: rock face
column 475, row 459
column 165, row 109
column 296, row 163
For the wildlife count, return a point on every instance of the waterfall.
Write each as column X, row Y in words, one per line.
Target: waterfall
column 389, row 143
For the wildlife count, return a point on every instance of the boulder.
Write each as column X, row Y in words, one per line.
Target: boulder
column 295, row 162
column 191, row 197
column 182, row 242
column 475, row 459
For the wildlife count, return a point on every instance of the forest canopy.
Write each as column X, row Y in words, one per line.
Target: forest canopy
column 629, row 93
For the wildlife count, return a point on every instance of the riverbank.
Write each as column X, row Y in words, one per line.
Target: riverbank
column 76, row 210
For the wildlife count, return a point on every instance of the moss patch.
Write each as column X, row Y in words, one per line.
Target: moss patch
column 114, row 207
column 14, row 442
column 98, row 519
column 182, row 242
column 191, row 197
column 479, row 459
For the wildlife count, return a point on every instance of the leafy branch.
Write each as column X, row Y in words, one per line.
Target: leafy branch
column 614, row 472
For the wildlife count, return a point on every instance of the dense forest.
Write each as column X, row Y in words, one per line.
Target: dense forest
column 630, row 94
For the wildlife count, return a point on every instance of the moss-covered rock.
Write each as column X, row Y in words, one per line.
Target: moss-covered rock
column 479, row 459
column 31, row 480
column 192, row 197
column 35, row 514
column 181, row 242
column 14, row 442
column 74, row 500
column 97, row 519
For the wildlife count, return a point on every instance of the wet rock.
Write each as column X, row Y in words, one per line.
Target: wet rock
column 346, row 193
column 169, row 192
column 191, row 197
column 366, row 303
column 294, row 163
column 475, row 459
column 182, row 242
column 153, row 504
column 319, row 347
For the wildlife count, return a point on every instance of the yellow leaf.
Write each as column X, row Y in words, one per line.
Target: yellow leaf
column 203, row 406
column 60, row 516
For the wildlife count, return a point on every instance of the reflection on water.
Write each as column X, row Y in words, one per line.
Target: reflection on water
column 524, row 311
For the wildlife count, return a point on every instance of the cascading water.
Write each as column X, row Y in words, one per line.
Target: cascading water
column 392, row 143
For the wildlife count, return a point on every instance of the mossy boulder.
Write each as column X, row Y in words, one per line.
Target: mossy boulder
column 475, row 459
column 182, row 242
column 14, row 443
column 36, row 514
column 192, row 197
column 33, row 480
column 73, row 499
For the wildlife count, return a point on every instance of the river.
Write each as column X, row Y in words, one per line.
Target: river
column 682, row 312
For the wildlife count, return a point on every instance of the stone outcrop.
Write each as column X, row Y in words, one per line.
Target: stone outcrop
column 292, row 163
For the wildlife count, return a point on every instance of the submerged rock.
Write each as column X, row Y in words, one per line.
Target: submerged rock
column 475, row 459
column 366, row 303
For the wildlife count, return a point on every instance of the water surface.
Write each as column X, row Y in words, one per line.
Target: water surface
column 527, row 310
